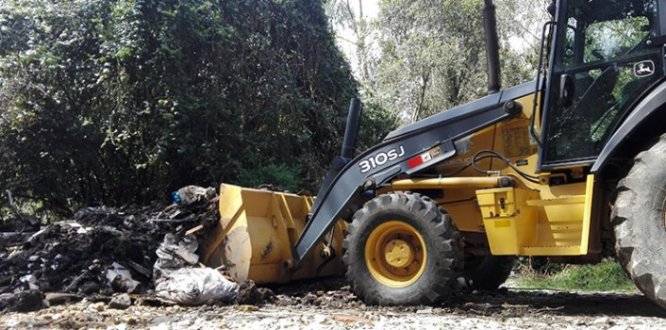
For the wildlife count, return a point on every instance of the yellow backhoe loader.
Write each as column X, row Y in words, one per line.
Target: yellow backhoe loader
column 570, row 166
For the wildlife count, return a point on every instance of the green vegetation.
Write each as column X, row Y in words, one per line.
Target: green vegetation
column 418, row 58
column 605, row 276
column 283, row 176
column 122, row 101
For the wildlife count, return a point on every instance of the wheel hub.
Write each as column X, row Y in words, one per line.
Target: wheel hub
column 395, row 254
column 398, row 253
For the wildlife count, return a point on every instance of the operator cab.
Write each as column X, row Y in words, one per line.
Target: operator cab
column 603, row 56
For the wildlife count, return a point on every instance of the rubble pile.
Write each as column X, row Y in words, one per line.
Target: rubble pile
column 99, row 251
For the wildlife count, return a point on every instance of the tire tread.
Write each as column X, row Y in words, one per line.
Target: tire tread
column 447, row 255
column 632, row 217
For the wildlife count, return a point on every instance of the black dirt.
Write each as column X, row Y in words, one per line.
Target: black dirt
column 23, row 301
column 73, row 256
column 250, row 294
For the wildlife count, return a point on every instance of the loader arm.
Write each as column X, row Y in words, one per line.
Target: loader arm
column 408, row 150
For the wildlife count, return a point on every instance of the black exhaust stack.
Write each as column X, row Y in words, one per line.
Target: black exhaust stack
column 351, row 130
column 492, row 46
column 347, row 152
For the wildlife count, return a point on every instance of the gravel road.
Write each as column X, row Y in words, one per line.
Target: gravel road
column 334, row 307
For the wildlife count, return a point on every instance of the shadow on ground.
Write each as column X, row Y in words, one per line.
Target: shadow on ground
column 559, row 303
column 335, row 293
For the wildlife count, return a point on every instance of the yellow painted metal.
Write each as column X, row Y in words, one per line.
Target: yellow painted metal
column 256, row 234
column 510, row 138
column 509, row 223
column 537, row 218
column 398, row 253
column 446, row 183
column 519, row 222
column 395, row 254
column 572, row 250
column 587, row 216
column 559, row 201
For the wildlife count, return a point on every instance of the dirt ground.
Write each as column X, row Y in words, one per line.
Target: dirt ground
column 330, row 305
column 62, row 263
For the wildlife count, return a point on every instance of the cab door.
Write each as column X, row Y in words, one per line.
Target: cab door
column 603, row 59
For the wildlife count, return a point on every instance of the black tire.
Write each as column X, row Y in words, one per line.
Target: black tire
column 443, row 253
column 638, row 220
column 487, row 272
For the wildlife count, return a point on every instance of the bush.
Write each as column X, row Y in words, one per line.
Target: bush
column 119, row 101
column 282, row 176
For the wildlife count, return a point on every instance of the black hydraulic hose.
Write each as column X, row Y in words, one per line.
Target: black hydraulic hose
column 493, row 154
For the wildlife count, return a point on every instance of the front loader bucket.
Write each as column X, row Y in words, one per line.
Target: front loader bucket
column 257, row 232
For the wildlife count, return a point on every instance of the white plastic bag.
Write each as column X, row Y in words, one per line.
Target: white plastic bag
column 195, row 286
column 175, row 253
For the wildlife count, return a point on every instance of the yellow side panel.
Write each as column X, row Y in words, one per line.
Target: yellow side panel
column 520, row 221
column 587, row 219
column 509, row 223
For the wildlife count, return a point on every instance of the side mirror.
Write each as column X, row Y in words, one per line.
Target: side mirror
column 566, row 90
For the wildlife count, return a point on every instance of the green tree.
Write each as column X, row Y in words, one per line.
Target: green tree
column 119, row 101
column 433, row 55
column 357, row 30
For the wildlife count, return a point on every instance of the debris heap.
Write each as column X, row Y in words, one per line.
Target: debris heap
column 99, row 251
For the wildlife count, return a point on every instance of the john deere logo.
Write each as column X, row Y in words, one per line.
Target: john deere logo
column 644, row 69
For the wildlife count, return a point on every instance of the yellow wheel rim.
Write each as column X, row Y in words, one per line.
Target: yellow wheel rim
column 395, row 254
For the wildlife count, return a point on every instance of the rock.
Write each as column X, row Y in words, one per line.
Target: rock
column 604, row 320
column 98, row 306
column 30, row 280
column 247, row 308
column 23, row 301
column 351, row 319
column 121, row 301
column 427, row 310
column 489, row 306
column 130, row 320
column 57, row 298
column 96, row 298
column 89, row 287
column 309, row 299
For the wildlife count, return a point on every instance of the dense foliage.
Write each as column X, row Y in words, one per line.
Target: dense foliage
column 117, row 101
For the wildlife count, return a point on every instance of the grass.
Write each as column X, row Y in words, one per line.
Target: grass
column 605, row 276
